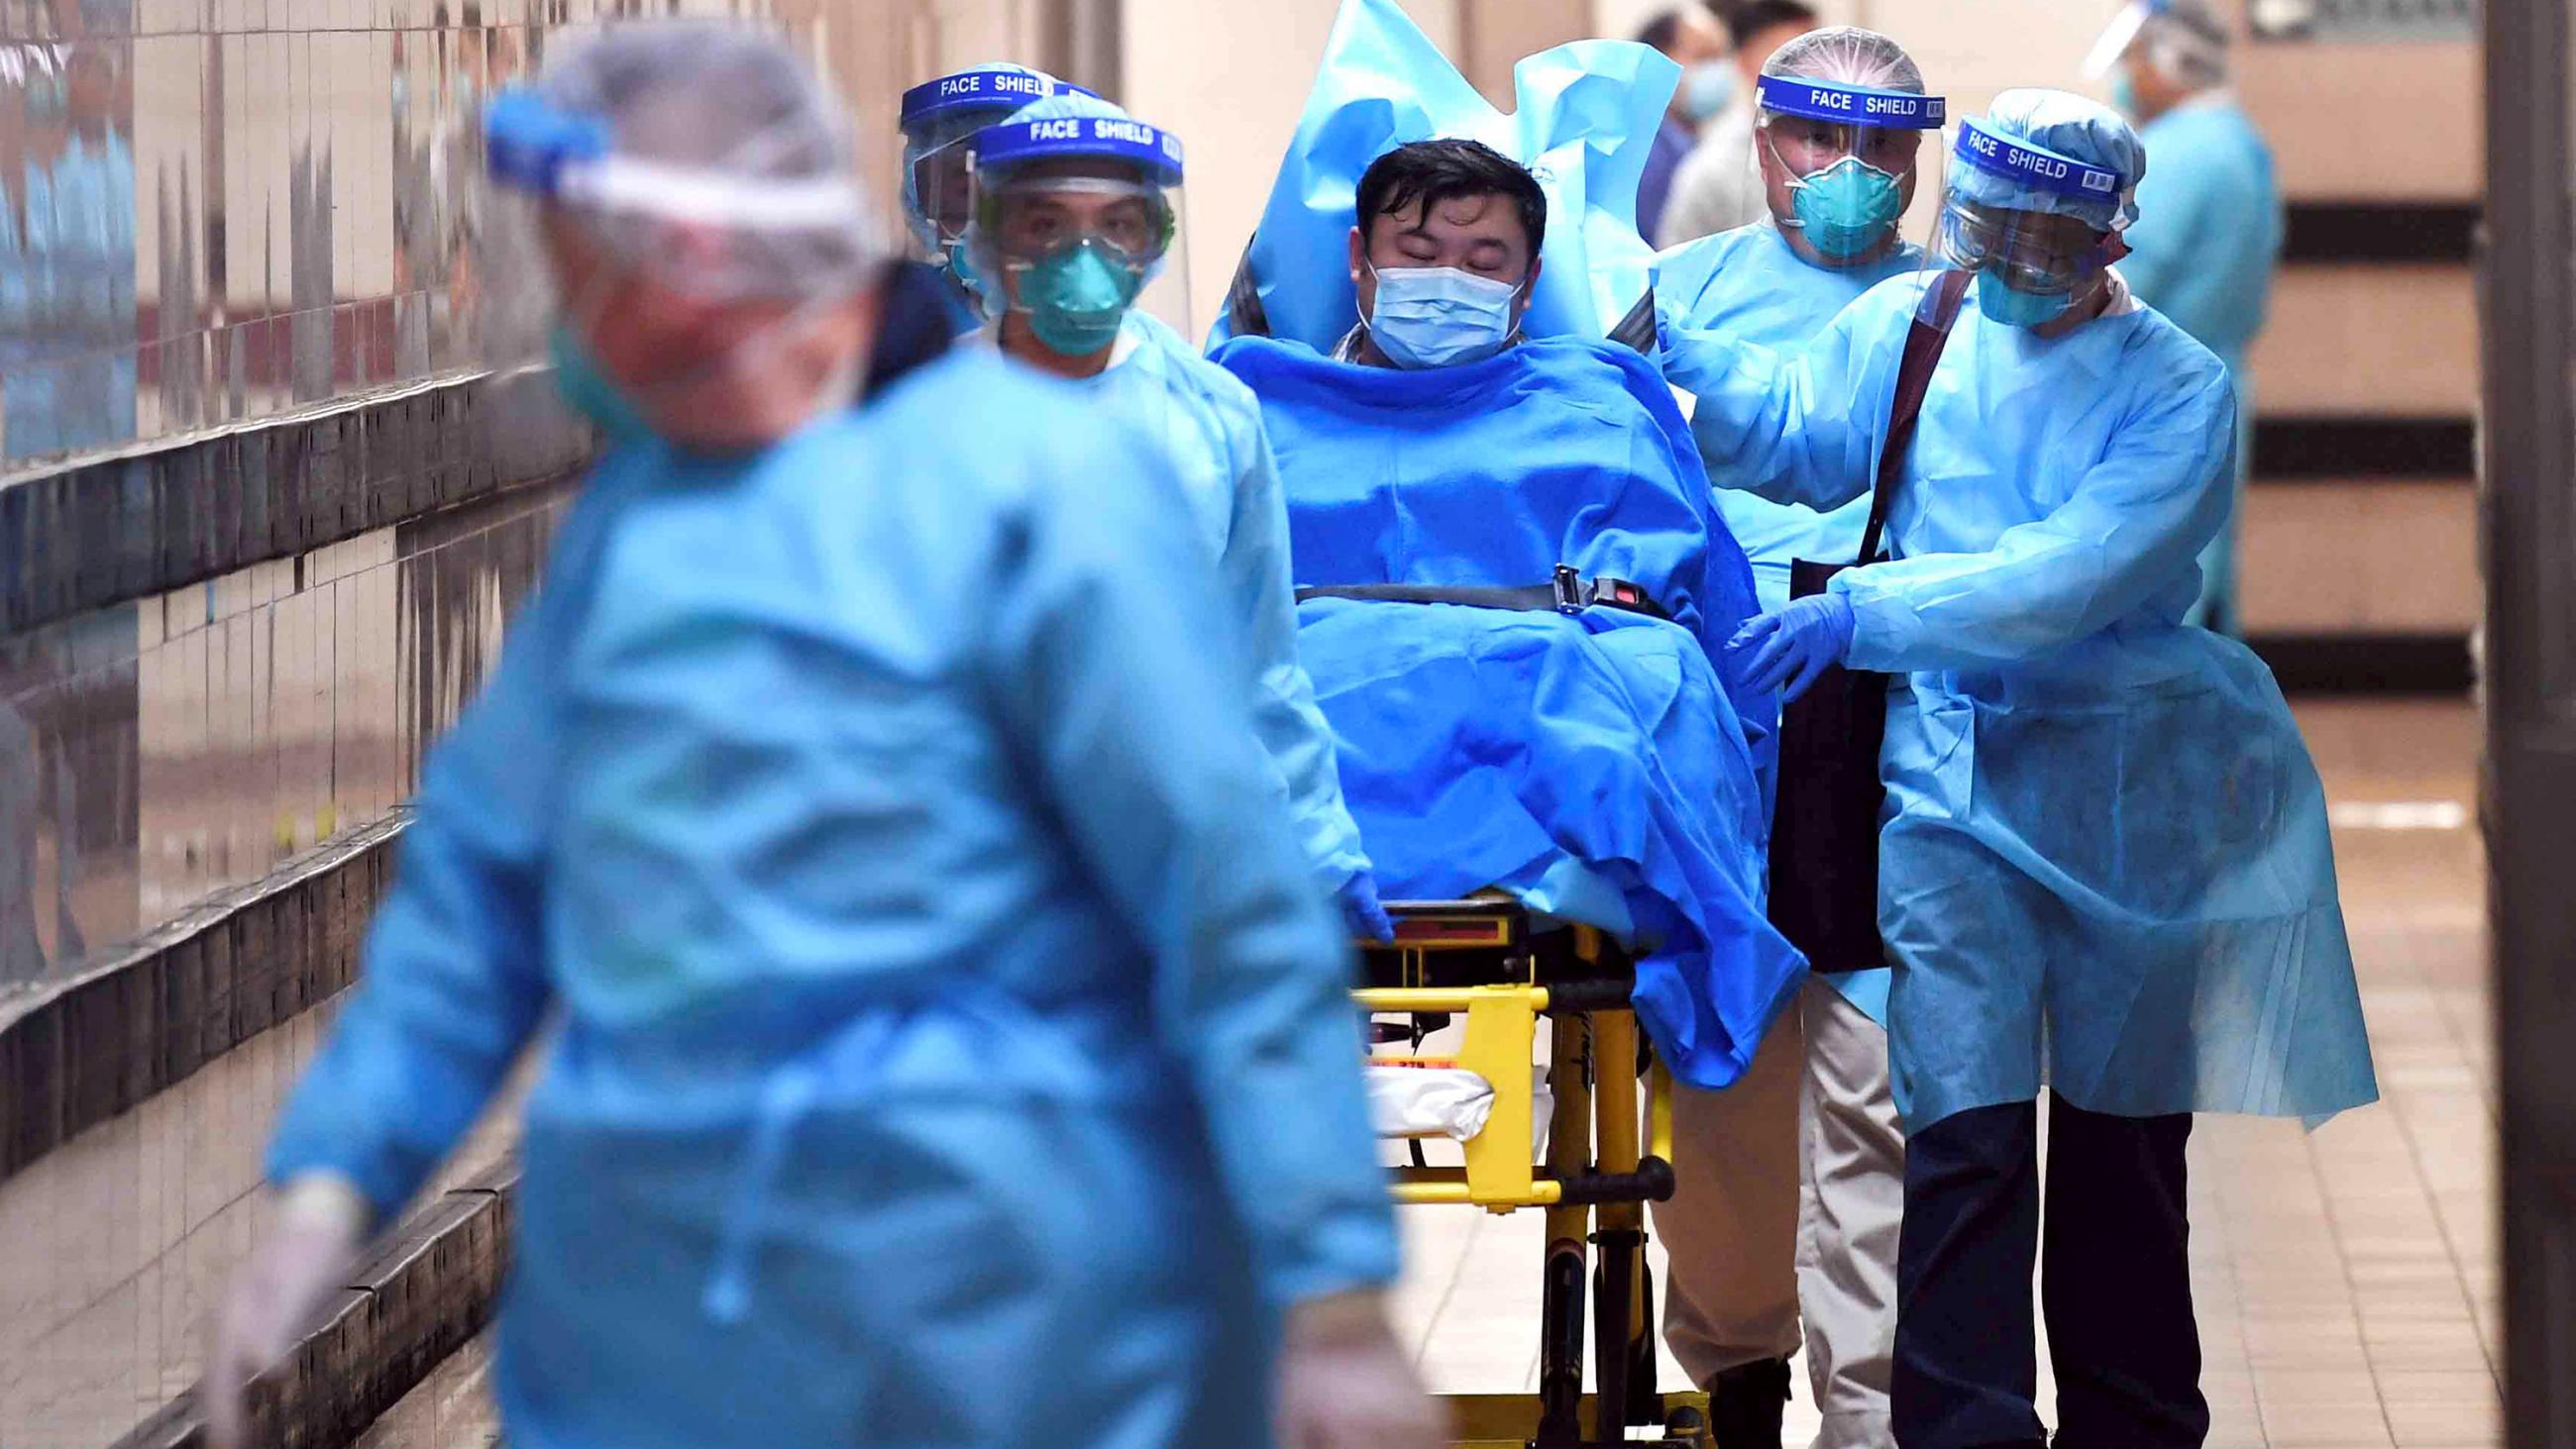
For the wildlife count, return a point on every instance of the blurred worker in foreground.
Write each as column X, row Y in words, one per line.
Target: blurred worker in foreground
column 1689, row 36
column 944, row 1042
column 1804, row 1160
column 1719, row 187
column 939, row 121
column 2209, row 227
column 1071, row 223
column 2105, row 870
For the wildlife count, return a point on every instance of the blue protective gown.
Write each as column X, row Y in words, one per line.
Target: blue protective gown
column 1748, row 283
column 948, row 1044
column 2106, row 866
column 1597, row 767
column 2207, row 239
column 1211, row 425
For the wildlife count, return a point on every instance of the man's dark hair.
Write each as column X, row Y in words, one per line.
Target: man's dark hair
column 1433, row 172
column 1661, row 31
column 1745, row 19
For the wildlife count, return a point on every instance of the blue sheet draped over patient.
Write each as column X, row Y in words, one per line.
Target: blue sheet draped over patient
column 1597, row 765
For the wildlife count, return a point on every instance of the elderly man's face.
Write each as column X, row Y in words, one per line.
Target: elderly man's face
column 708, row 371
column 1481, row 235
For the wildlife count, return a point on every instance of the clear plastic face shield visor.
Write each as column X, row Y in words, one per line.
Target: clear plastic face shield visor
column 2032, row 230
column 1077, row 225
column 939, row 120
column 1850, row 158
column 716, row 257
column 2117, row 37
column 2185, row 42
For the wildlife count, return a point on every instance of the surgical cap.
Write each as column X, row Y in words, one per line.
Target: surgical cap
column 1848, row 54
column 2078, row 129
column 721, row 100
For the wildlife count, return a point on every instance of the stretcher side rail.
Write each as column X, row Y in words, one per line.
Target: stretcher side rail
column 1486, row 959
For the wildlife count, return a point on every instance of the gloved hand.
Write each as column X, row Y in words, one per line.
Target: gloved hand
column 321, row 1223
column 1360, row 909
column 1345, row 1383
column 1794, row 644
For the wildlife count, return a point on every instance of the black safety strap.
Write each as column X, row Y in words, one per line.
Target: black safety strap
column 1568, row 593
column 1913, row 378
column 1638, row 331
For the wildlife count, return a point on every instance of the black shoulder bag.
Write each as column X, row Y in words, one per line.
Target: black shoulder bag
column 1824, row 830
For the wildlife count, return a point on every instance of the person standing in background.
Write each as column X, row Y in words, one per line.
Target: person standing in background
column 1689, row 36
column 1790, row 1185
column 1718, row 187
column 2209, row 233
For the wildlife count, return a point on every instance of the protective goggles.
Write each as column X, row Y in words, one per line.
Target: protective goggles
column 2030, row 251
column 1026, row 220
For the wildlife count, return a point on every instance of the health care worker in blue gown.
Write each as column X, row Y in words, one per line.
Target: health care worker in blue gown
column 2209, row 227
column 1803, row 1161
column 939, row 120
column 2105, row 871
column 1075, row 214
column 943, row 1040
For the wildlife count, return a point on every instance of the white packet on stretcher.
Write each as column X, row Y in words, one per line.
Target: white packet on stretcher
column 1435, row 1097
column 1422, row 1097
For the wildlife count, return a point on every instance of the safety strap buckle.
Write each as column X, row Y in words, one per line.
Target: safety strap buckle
column 1575, row 593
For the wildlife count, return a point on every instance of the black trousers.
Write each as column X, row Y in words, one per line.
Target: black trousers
column 2115, row 1278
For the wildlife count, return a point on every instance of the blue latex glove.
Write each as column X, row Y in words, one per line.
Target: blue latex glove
column 1361, row 911
column 1795, row 643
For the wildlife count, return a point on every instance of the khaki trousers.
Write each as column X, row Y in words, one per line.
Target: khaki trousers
column 1790, row 1189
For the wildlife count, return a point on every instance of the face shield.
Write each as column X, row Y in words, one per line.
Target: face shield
column 691, row 268
column 2035, row 229
column 1077, row 222
column 2182, row 40
column 1850, row 156
column 940, row 119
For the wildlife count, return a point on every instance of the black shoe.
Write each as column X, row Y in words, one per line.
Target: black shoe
column 1745, row 1404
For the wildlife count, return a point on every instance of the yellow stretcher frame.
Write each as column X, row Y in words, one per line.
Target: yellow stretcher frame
column 1609, row 1152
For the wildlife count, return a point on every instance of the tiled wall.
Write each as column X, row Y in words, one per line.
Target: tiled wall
column 213, row 211
column 161, row 751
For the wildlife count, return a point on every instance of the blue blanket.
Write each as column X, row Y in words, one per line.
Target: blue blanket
column 1597, row 766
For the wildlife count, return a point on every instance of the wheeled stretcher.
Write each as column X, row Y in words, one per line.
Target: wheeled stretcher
column 1608, row 1149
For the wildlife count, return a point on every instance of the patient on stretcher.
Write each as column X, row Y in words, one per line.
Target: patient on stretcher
column 1592, row 759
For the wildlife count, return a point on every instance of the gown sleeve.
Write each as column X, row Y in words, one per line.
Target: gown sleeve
column 454, row 980
column 1290, row 725
column 1107, row 653
column 1793, row 426
column 2137, row 516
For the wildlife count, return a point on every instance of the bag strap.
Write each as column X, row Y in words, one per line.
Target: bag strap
column 1913, row 379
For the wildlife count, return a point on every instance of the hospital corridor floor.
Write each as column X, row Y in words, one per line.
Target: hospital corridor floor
column 2347, row 1280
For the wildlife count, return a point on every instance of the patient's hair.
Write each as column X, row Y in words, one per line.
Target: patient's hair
column 1432, row 172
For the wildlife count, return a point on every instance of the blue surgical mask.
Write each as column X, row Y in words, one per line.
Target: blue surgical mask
column 1846, row 208
column 589, row 392
column 1439, row 316
column 1707, row 87
column 1077, row 296
column 2124, row 93
column 2016, row 308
